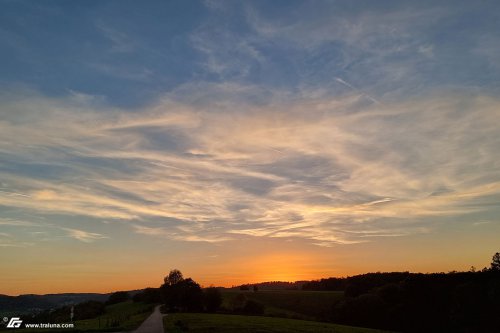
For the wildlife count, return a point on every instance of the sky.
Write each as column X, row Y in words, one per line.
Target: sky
column 245, row 141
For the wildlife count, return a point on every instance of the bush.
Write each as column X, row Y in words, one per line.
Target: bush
column 181, row 325
column 238, row 302
column 213, row 299
column 89, row 309
column 118, row 297
column 85, row 310
column 185, row 295
column 148, row 295
column 253, row 308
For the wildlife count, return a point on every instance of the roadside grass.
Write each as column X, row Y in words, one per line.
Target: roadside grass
column 295, row 304
column 223, row 323
column 125, row 316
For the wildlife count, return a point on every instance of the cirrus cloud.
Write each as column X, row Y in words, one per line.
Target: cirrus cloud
column 327, row 170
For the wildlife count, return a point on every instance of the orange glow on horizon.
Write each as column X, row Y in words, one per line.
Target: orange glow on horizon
column 262, row 262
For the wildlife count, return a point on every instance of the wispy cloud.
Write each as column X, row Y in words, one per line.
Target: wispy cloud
column 16, row 223
column 120, row 42
column 345, row 134
column 227, row 54
column 8, row 240
column 329, row 170
column 84, row 236
column 11, row 244
column 181, row 233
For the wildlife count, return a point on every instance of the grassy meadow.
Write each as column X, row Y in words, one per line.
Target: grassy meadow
column 223, row 323
column 294, row 304
column 125, row 316
column 118, row 317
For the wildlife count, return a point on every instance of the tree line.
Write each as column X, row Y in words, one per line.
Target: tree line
column 416, row 302
column 398, row 301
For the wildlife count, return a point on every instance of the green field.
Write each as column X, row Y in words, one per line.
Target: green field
column 289, row 303
column 124, row 316
column 210, row 323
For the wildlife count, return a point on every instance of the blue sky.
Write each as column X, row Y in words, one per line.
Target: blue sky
column 330, row 130
column 129, row 54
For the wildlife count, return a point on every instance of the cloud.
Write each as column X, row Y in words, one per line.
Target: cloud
column 227, row 53
column 384, row 49
column 9, row 240
column 120, row 42
column 84, row 236
column 181, row 234
column 325, row 169
column 17, row 223
column 10, row 244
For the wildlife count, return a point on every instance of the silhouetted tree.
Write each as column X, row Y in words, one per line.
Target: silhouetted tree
column 213, row 299
column 238, row 302
column 325, row 284
column 181, row 294
column 89, row 309
column 255, row 288
column 175, row 276
column 365, row 310
column 118, row 297
column 148, row 295
column 391, row 293
column 254, row 308
column 495, row 262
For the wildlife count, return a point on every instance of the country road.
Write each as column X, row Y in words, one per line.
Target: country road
column 153, row 324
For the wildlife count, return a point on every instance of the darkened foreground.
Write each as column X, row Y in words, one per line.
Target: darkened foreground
column 221, row 323
column 400, row 301
column 90, row 316
column 406, row 302
column 29, row 304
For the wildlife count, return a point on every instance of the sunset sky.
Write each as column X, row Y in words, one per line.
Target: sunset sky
column 245, row 141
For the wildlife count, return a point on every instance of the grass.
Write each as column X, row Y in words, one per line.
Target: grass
column 124, row 316
column 223, row 323
column 118, row 317
column 290, row 303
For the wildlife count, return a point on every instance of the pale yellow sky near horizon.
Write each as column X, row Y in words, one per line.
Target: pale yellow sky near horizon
column 266, row 260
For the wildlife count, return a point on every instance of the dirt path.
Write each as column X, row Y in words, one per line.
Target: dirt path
column 153, row 324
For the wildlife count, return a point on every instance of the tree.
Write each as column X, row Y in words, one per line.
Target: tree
column 148, row 295
column 174, row 277
column 181, row 294
column 238, row 302
column 118, row 297
column 88, row 309
column 254, row 308
column 213, row 299
column 495, row 262
column 185, row 295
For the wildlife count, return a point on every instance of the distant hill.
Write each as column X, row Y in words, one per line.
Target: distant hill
column 30, row 303
column 273, row 285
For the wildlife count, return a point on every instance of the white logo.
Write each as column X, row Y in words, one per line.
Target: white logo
column 15, row 322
